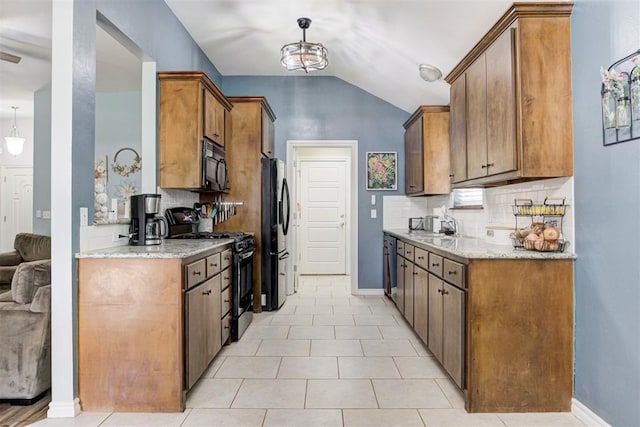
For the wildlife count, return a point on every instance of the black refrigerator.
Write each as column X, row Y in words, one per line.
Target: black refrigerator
column 275, row 223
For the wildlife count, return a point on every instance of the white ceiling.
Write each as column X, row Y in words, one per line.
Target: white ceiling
column 376, row 45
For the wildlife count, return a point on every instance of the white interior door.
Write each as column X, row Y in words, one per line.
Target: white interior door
column 16, row 204
column 323, row 217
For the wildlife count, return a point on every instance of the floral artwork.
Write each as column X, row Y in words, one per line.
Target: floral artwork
column 381, row 171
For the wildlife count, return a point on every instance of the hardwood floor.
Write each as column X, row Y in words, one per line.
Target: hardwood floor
column 18, row 416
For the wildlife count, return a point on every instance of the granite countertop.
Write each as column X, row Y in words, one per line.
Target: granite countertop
column 178, row 248
column 473, row 248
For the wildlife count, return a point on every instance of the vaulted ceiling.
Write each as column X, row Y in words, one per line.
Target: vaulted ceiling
column 376, row 45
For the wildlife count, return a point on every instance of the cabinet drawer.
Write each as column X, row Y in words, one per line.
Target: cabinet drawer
column 195, row 272
column 421, row 258
column 225, row 301
column 227, row 259
column 435, row 264
column 454, row 273
column 400, row 248
column 213, row 265
column 226, row 328
column 226, row 278
column 408, row 251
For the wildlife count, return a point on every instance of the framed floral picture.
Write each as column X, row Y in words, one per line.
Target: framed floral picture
column 382, row 170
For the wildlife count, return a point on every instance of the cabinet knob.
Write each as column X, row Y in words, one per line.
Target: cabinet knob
column 435, row 265
column 225, row 277
column 420, row 257
column 490, row 165
column 445, row 292
column 207, row 292
column 451, row 175
column 484, row 166
column 197, row 273
column 452, row 272
column 216, row 135
column 415, row 273
column 213, row 265
column 226, row 327
column 408, row 252
column 226, row 300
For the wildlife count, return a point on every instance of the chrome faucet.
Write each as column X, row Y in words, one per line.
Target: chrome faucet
column 449, row 225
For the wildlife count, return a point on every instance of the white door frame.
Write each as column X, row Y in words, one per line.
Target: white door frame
column 352, row 202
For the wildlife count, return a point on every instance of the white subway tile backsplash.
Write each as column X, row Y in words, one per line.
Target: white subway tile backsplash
column 497, row 207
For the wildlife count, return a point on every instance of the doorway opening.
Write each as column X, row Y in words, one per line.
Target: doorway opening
column 323, row 176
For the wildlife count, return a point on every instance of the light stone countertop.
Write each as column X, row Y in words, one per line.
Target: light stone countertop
column 176, row 248
column 474, row 248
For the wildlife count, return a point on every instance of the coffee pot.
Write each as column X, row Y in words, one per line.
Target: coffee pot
column 147, row 227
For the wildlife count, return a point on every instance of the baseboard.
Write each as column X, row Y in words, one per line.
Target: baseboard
column 586, row 415
column 64, row 409
column 360, row 291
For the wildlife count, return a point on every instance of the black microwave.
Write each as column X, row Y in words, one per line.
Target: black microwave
column 215, row 175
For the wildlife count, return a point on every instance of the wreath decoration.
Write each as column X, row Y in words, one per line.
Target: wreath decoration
column 126, row 170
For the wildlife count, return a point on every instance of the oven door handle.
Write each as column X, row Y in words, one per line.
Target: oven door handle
column 246, row 255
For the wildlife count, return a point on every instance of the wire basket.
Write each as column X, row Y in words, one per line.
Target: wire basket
column 550, row 207
column 540, row 245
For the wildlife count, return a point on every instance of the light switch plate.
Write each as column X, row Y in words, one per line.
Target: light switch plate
column 374, row 213
column 373, row 199
column 84, row 217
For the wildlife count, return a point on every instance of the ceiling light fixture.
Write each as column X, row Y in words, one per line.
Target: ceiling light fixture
column 429, row 72
column 15, row 143
column 304, row 55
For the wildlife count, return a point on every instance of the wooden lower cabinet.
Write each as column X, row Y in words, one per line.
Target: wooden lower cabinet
column 402, row 266
column 421, row 303
column 148, row 329
column 204, row 334
column 501, row 328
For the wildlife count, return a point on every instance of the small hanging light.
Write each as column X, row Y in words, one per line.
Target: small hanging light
column 15, row 143
column 304, row 55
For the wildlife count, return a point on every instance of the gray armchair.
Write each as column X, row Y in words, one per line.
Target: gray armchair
column 27, row 247
column 25, row 334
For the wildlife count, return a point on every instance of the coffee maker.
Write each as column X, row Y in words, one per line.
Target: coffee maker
column 146, row 228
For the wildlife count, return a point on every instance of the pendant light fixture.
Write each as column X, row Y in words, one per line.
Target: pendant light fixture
column 303, row 55
column 15, row 143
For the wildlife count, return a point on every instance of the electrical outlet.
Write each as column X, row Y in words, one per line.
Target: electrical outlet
column 373, row 199
column 46, row 214
column 374, row 213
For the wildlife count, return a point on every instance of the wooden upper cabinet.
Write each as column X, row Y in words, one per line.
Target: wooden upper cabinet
column 192, row 108
column 268, row 132
column 214, row 118
column 427, row 151
column 414, row 171
column 458, row 131
column 476, row 91
column 517, row 98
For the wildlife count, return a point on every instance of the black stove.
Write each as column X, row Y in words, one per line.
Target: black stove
column 241, row 241
column 183, row 223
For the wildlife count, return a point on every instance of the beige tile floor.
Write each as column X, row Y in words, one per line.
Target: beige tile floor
column 326, row 358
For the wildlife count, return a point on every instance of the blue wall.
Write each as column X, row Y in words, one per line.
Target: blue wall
column 42, row 158
column 607, row 199
column 316, row 108
column 118, row 125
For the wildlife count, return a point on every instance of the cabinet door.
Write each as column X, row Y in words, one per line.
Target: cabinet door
column 435, row 316
column 268, row 135
column 214, row 339
column 401, row 265
column 458, row 130
column 409, row 274
column 198, row 310
column 213, row 126
column 501, row 109
column 421, row 303
column 414, row 170
column 453, row 332
column 476, row 91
